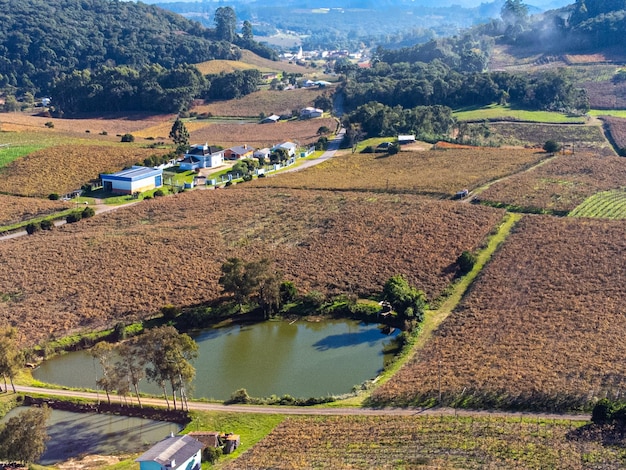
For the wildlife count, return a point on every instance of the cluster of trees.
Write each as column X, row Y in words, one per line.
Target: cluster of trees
column 41, row 39
column 408, row 302
column 256, row 281
column 162, row 355
column 376, row 119
column 468, row 52
column 23, row 437
column 150, row 88
column 420, row 84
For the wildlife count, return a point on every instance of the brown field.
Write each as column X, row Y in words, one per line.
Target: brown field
column 64, row 168
column 542, row 327
column 214, row 67
column 533, row 134
column 606, row 94
column 560, row 184
column 261, row 135
column 264, row 101
column 112, row 125
column 436, row 172
column 617, row 128
column 391, row 442
column 583, row 59
column 14, row 209
column 125, row 265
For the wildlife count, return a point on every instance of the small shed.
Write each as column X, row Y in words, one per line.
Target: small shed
column 406, row 139
column 173, row 453
column 133, row 180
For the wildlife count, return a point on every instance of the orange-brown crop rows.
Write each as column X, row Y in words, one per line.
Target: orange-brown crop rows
column 15, row 209
column 617, row 128
column 543, row 326
column 560, row 184
column 64, row 168
column 127, row 264
column 391, row 442
column 437, row 172
column 264, row 101
column 261, row 135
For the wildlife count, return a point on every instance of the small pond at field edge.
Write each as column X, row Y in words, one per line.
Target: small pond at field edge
column 302, row 359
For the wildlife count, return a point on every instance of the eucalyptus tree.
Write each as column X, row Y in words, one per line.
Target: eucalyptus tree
column 11, row 358
column 23, row 437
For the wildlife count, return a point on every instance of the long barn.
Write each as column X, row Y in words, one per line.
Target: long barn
column 133, row 180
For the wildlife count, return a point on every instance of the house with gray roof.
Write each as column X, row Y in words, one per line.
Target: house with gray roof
column 173, row 453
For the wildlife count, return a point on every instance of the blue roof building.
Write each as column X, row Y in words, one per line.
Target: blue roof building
column 136, row 179
column 173, row 453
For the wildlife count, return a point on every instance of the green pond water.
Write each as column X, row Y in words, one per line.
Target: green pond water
column 301, row 359
column 76, row 434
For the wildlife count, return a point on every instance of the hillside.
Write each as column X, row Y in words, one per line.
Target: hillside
column 40, row 40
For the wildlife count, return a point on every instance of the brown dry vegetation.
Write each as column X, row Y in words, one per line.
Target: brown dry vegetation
column 64, row 168
column 214, row 67
column 560, row 184
column 264, row 101
column 436, row 172
column 113, row 125
column 606, row 94
column 542, row 327
column 617, row 129
column 261, row 135
column 14, row 209
column 127, row 264
column 278, row 66
column 582, row 137
column 391, row 442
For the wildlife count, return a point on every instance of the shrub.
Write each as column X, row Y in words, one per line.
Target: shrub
column 104, row 133
column 239, row 396
column 73, row 218
column 247, row 177
column 32, row 228
column 46, row 225
column 170, row 312
column 393, row 149
column 211, row 454
column 228, row 183
column 159, row 193
column 49, row 124
column 288, row 292
column 54, row 197
column 602, row 412
column 88, row 212
column 128, row 138
column 551, row 146
column 466, row 262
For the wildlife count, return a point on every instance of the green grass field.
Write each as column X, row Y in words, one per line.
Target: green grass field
column 506, row 113
column 13, row 152
column 605, row 205
column 621, row 113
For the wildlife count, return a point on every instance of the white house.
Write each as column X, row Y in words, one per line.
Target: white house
column 290, row 147
column 133, row 180
column 309, row 112
column 262, row 154
column 173, row 453
column 202, row 156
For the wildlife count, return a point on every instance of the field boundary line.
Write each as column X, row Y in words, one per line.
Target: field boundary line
column 434, row 318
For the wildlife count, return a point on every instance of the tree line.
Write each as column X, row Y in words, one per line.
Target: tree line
column 150, row 88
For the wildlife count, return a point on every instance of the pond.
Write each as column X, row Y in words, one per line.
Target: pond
column 76, row 434
column 302, row 359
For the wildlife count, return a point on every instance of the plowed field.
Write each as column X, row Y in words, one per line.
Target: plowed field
column 127, row 264
column 437, row 172
column 542, row 327
column 617, row 128
column 425, row 442
column 560, row 184
column 64, row 168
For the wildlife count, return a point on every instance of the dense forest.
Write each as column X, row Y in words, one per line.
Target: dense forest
column 40, row 41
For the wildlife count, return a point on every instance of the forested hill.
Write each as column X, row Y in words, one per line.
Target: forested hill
column 40, row 39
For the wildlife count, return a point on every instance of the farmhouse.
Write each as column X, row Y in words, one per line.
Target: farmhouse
column 202, row 156
column 290, row 147
column 133, row 180
column 239, row 152
column 175, row 452
column 309, row 113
